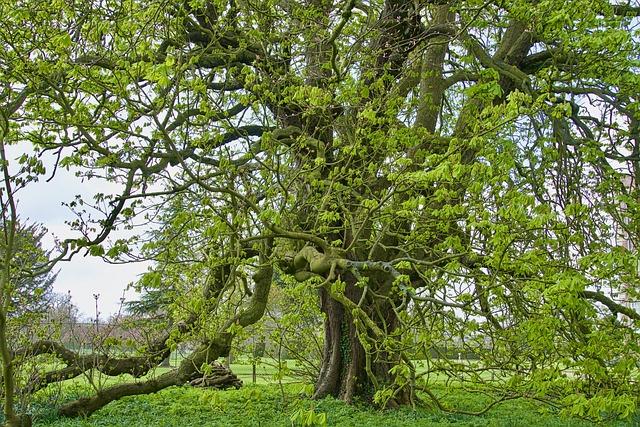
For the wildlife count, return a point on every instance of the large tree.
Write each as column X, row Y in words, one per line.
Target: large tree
column 442, row 172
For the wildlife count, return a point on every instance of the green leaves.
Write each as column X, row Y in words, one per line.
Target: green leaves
column 239, row 135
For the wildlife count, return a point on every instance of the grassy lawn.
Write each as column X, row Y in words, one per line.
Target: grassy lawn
column 266, row 372
column 268, row 405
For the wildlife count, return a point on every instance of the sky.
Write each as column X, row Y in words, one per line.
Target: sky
column 84, row 277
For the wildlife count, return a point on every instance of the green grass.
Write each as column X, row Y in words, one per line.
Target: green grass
column 266, row 372
column 269, row 405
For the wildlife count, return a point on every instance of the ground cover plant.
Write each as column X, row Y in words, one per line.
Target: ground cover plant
column 274, row 401
column 265, row 405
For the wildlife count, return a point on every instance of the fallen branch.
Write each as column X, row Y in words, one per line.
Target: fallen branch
column 220, row 377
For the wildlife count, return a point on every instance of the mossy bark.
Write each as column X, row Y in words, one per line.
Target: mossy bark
column 343, row 372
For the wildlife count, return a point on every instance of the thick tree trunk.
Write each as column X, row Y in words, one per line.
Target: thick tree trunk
column 343, row 372
column 334, row 358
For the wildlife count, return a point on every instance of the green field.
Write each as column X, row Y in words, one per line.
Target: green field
column 271, row 403
column 266, row 405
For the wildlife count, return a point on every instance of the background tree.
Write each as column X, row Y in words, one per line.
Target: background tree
column 32, row 294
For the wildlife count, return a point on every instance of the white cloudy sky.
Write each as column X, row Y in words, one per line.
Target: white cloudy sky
column 84, row 276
